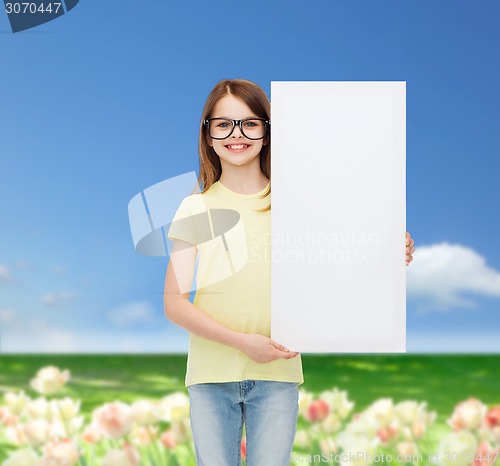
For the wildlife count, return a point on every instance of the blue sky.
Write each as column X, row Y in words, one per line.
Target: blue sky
column 104, row 101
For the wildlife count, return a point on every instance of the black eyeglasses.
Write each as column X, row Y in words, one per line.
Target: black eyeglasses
column 251, row 128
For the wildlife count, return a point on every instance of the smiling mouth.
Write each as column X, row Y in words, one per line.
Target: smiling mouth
column 237, row 146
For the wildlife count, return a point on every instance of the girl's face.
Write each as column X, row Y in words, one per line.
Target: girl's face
column 236, row 149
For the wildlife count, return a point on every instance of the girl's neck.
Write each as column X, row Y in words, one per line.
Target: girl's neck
column 244, row 184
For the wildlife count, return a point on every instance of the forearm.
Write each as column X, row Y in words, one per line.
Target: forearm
column 191, row 318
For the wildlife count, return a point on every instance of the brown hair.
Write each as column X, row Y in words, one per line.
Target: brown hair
column 256, row 99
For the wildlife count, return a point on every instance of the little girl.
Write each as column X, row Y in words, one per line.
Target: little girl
column 236, row 374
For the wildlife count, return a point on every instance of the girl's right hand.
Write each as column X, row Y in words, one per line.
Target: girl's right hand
column 263, row 349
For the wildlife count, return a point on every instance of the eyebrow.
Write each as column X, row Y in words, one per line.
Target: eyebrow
column 229, row 118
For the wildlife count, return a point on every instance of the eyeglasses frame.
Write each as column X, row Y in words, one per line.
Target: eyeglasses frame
column 239, row 124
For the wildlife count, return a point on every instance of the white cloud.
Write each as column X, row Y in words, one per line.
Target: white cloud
column 135, row 313
column 439, row 273
column 37, row 336
column 54, row 299
column 481, row 341
column 24, row 264
column 59, row 269
column 7, row 315
column 5, row 275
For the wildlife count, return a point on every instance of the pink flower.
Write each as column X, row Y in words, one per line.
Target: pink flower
column 61, row 453
column 484, row 456
column 144, row 435
column 92, row 433
column 115, row 419
column 168, row 438
column 317, row 411
column 7, row 418
column 492, row 417
column 386, row 434
column 418, row 429
column 244, row 448
column 467, row 415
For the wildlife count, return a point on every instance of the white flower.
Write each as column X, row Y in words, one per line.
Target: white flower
column 182, row 430
column 425, row 420
column 65, row 408
column 328, row 445
column 331, row 423
column 129, row 456
column 37, row 432
column 16, row 402
column 24, row 457
column 39, row 408
column 382, row 412
column 145, row 412
column 302, row 439
column 408, row 411
column 15, row 434
column 67, row 428
column 359, row 436
column 406, row 433
column 355, row 444
column 460, row 447
column 64, row 453
column 338, row 402
column 305, row 399
column 407, row 448
column 174, row 407
column 414, row 418
column 49, row 380
column 144, row 435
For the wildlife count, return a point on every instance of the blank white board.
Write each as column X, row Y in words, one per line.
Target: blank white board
column 338, row 222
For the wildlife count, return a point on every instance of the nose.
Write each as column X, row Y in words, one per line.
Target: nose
column 237, row 128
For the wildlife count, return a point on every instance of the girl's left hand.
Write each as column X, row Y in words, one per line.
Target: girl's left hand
column 409, row 248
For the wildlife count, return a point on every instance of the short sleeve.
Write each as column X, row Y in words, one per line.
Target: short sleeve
column 183, row 224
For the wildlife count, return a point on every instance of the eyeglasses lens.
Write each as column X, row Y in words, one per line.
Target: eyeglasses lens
column 252, row 129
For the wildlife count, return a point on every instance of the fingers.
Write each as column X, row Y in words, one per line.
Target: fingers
column 409, row 260
column 283, row 352
column 409, row 248
column 286, row 355
column 409, row 241
column 278, row 346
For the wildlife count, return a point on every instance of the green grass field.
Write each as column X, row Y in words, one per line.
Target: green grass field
column 440, row 380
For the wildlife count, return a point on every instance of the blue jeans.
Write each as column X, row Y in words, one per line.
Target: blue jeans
column 269, row 410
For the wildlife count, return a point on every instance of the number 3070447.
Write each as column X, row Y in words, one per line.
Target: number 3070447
column 30, row 7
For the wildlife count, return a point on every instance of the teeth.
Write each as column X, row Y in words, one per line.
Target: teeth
column 239, row 146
